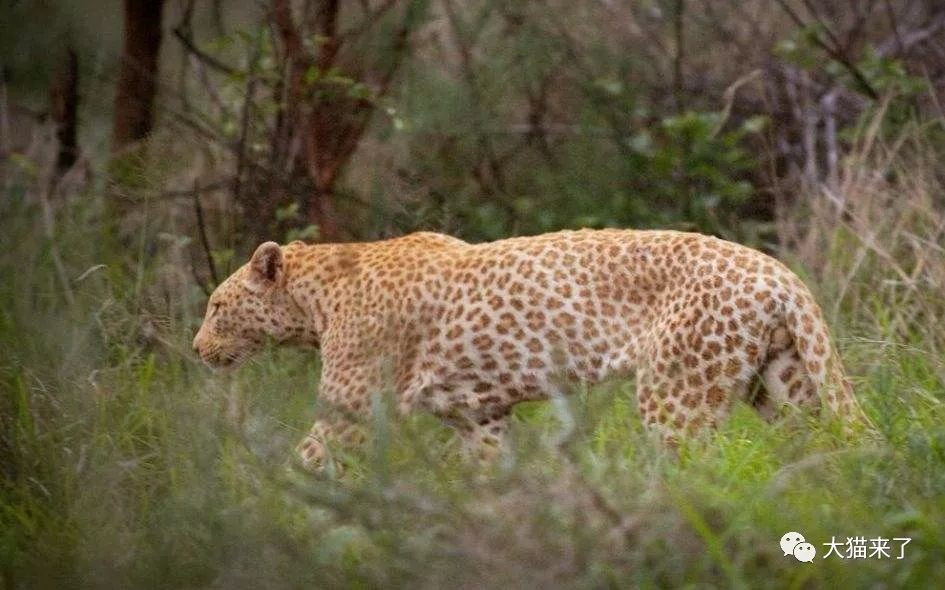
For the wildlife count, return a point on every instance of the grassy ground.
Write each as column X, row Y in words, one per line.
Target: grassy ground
column 127, row 464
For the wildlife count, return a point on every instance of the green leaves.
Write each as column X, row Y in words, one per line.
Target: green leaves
column 884, row 74
column 889, row 75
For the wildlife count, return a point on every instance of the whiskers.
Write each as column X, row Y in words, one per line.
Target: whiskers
column 241, row 357
column 226, row 355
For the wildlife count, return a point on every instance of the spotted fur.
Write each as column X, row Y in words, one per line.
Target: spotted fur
column 466, row 331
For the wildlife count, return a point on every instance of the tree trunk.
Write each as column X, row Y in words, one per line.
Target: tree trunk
column 64, row 106
column 320, row 164
column 137, row 78
column 331, row 123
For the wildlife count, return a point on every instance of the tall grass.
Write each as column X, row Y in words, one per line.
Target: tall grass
column 127, row 464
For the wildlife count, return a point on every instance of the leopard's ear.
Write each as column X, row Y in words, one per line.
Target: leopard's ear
column 266, row 266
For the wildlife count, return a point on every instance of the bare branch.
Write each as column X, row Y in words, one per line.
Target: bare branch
column 834, row 51
column 904, row 42
column 244, row 126
column 202, row 233
column 209, row 187
column 206, row 58
column 894, row 25
column 370, row 19
column 679, row 54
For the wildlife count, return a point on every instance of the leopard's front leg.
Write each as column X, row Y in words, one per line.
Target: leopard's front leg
column 326, row 438
column 344, row 393
column 483, row 431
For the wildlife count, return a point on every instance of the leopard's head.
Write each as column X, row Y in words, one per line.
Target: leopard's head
column 251, row 306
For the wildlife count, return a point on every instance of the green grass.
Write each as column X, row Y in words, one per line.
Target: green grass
column 127, row 464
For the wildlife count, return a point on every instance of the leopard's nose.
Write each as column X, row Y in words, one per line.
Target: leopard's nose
column 196, row 344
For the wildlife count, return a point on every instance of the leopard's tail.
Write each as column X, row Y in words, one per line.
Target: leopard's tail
column 848, row 407
column 823, row 365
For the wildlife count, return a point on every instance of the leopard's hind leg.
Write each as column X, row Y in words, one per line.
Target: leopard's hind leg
column 786, row 382
column 683, row 394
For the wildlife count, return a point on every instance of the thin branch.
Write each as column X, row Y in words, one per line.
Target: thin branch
column 369, row 20
column 823, row 24
column 204, row 57
column 894, row 25
column 679, row 54
column 64, row 104
column 202, row 232
column 486, row 149
column 401, row 45
column 4, row 116
column 197, row 126
column 538, row 109
column 49, row 231
column 291, row 81
column 207, row 188
column 185, row 25
column 834, row 51
column 200, row 282
column 210, row 87
column 904, row 42
column 218, row 17
column 326, row 30
column 244, row 126
column 729, row 97
column 282, row 17
column 828, row 105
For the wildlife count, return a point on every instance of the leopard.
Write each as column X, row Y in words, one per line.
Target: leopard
column 466, row 331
